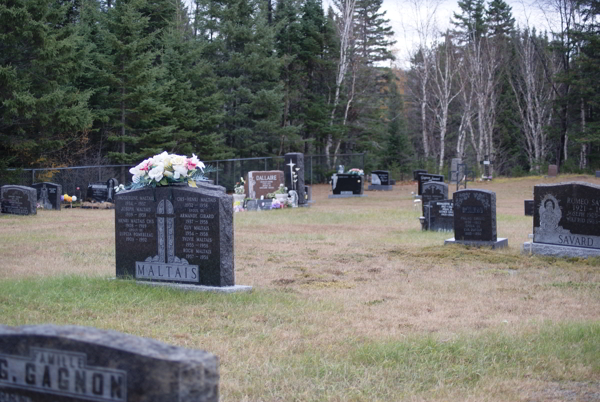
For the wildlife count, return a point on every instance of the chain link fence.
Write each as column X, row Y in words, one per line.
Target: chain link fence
column 75, row 180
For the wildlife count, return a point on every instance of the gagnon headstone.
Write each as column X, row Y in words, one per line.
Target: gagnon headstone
column 566, row 219
column 417, row 172
column 18, row 200
column 48, row 363
column 426, row 177
column 475, row 219
column 294, row 163
column 440, row 216
column 261, row 183
column 175, row 234
column 433, row 191
column 48, row 195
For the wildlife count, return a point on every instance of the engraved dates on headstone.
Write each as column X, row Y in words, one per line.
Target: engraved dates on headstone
column 48, row 363
column 48, row 195
column 440, row 216
column 175, row 234
column 18, row 200
column 475, row 215
column 261, row 183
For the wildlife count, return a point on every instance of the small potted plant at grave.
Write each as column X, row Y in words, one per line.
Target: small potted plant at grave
column 238, row 190
column 281, row 193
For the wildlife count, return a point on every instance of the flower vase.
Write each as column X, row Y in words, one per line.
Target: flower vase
column 239, row 197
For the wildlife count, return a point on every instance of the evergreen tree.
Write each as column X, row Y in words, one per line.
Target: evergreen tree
column 398, row 149
column 470, row 23
column 373, row 34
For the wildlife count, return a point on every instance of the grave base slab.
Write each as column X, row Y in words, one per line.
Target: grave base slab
column 380, row 187
column 559, row 251
column 346, row 195
column 200, row 288
column 502, row 242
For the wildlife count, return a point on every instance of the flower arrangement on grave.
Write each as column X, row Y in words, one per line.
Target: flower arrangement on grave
column 276, row 204
column 356, row 171
column 165, row 169
column 281, row 190
column 239, row 186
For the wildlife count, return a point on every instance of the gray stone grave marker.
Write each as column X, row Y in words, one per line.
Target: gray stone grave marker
column 261, row 183
column 48, row 195
column 18, row 200
column 552, row 170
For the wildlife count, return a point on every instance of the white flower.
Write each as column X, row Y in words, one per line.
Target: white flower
column 163, row 158
column 179, row 170
column 197, row 162
column 135, row 179
column 157, row 172
column 178, row 160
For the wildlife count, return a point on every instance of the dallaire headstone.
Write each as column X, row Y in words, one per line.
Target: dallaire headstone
column 176, row 235
column 347, row 185
column 48, row 195
column 433, row 191
column 294, row 163
column 528, row 204
column 566, row 220
column 48, row 363
column 380, row 180
column 18, row 200
column 475, row 219
column 417, row 172
column 426, row 177
column 552, row 170
column 440, row 216
column 261, row 183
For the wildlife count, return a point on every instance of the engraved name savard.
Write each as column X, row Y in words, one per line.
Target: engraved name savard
column 62, row 373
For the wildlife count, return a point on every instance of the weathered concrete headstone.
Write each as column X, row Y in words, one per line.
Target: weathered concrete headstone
column 175, row 234
column 48, row 363
column 475, row 219
column 18, row 200
column 294, row 163
column 347, row 185
column 417, row 172
column 425, row 177
column 261, row 183
column 528, row 207
column 433, row 191
column 552, row 170
column 455, row 170
column 566, row 220
column 48, row 195
column 380, row 180
column 439, row 216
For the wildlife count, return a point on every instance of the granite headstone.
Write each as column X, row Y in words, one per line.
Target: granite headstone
column 380, row 180
column 264, row 204
column 440, row 216
column 48, row 363
column 308, row 194
column 528, row 204
column 432, row 191
column 417, row 172
column 294, row 163
column 97, row 192
column 552, row 170
column 261, row 183
column 454, row 170
column 18, row 200
column 251, row 205
column 348, row 185
column 48, row 195
column 425, row 177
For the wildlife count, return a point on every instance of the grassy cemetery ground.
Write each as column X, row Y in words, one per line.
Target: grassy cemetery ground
column 351, row 302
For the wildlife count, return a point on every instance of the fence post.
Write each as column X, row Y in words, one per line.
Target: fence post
column 32, row 176
column 217, row 173
column 99, row 173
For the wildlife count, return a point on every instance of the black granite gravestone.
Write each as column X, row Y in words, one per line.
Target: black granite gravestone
column 528, row 204
column 294, row 163
column 597, row 173
column 349, row 185
column 48, row 363
column 433, row 191
column 566, row 219
column 380, row 180
column 48, row 195
column 18, row 200
column 417, row 172
column 440, row 216
column 264, row 204
column 251, row 205
column 97, row 192
column 425, row 177
column 110, row 185
column 475, row 219
column 175, row 234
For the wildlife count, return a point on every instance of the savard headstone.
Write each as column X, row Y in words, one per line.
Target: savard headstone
column 475, row 219
column 426, row 177
column 347, row 185
column 439, row 217
column 18, row 200
column 566, row 220
column 176, row 235
column 417, row 172
column 380, row 180
column 48, row 195
column 294, row 164
column 48, row 363
column 261, row 183
column 432, row 191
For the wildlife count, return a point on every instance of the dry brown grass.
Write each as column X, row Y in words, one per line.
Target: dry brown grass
column 356, row 270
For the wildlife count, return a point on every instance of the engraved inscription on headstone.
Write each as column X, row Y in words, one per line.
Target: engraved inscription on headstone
column 18, row 200
column 261, row 183
column 475, row 215
column 175, row 234
column 425, row 177
column 47, row 363
column 48, row 195
column 97, row 192
column 382, row 176
column 433, row 191
column 440, row 216
column 294, row 164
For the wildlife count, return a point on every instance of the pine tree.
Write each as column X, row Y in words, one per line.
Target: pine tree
column 398, row 149
column 373, row 34
column 470, row 23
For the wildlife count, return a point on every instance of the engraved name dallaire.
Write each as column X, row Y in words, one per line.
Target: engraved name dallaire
column 62, row 373
column 161, row 271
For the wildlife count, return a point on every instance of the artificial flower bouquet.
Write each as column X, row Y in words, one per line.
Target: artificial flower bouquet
column 356, row 171
column 239, row 186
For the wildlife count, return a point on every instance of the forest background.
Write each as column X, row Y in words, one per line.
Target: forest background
column 91, row 82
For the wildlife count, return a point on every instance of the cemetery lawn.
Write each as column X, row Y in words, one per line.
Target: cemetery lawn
column 351, row 302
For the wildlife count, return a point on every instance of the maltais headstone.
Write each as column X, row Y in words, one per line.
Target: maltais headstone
column 552, row 170
column 432, row 191
column 347, row 185
column 261, row 183
column 18, row 200
column 475, row 219
column 294, row 174
column 417, row 172
column 528, row 204
column 48, row 195
column 48, row 363
column 439, row 217
column 425, row 177
column 380, row 180
column 175, row 234
column 566, row 220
